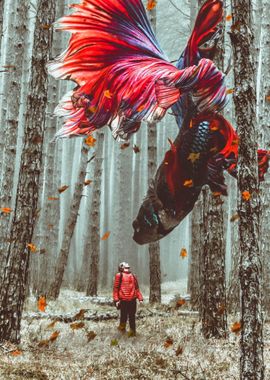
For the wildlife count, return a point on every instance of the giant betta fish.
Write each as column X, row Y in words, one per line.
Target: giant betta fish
column 206, row 145
column 123, row 77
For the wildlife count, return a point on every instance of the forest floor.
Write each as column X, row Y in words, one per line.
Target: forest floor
column 167, row 346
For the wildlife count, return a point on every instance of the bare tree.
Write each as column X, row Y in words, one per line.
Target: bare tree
column 93, row 241
column 13, row 287
column 154, row 248
column 250, row 272
column 70, row 226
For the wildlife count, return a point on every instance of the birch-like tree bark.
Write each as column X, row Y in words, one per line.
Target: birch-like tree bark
column 264, row 126
column 16, row 52
column 250, row 272
column 213, row 306
column 13, row 286
column 93, row 246
column 70, row 226
column 154, row 248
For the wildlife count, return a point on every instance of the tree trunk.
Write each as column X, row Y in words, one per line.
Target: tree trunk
column 13, row 287
column 16, row 53
column 195, row 257
column 70, row 226
column 264, row 118
column 250, row 271
column 93, row 246
column 153, row 248
column 213, row 301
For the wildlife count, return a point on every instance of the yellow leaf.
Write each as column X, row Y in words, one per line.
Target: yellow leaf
column 230, row 91
column 16, row 353
column 32, row 247
column 53, row 199
column 246, row 195
column 54, row 336
column 108, row 94
column 42, row 303
column 236, row 327
column 234, row 217
column 193, row 157
column 87, row 182
column 91, row 335
column 141, row 108
column 80, row 314
column 114, row 342
column 124, row 146
column 180, row 302
column 5, row 210
column 151, row 4
column 188, row 183
column 92, row 109
column 216, row 193
column 228, row 18
column 62, row 189
column 90, row 141
column 52, row 324
column 106, row 235
column 183, row 253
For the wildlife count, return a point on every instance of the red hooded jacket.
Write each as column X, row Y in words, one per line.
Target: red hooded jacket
column 128, row 289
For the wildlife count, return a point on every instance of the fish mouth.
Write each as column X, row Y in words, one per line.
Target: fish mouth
column 143, row 235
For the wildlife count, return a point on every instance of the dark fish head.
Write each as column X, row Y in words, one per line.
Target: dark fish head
column 153, row 222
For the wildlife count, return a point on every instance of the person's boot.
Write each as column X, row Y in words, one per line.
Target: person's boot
column 122, row 328
column 131, row 333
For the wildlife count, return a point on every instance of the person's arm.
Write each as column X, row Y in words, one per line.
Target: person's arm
column 138, row 293
column 116, row 287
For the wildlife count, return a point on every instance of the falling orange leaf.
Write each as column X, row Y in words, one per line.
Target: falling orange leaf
column 168, row 342
column 179, row 351
column 183, row 253
column 53, row 199
column 106, row 235
column 52, row 324
column 62, row 189
column 193, row 157
column 236, row 327
column 188, row 183
column 246, row 195
column 5, row 210
column 124, row 146
column 151, row 4
column 230, row 91
column 141, row 108
column 108, row 94
column 234, row 217
column 77, row 325
column 87, row 182
column 45, row 26
column 267, row 98
column 32, row 247
column 216, row 193
column 180, row 302
column 90, row 141
column 54, row 336
column 228, row 18
column 214, row 126
column 42, row 303
column 16, row 353
column 92, row 109
column 136, row 149
column 191, row 124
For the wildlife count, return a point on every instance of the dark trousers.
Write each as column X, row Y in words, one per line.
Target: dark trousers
column 128, row 311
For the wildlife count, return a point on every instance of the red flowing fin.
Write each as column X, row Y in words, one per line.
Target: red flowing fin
column 209, row 16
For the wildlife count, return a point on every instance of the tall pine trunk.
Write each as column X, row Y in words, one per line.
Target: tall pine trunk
column 154, row 248
column 94, row 231
column 250, row 271
column 13, row 286
column 70, row 226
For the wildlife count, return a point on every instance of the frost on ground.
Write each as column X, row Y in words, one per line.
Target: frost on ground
column 169, row 346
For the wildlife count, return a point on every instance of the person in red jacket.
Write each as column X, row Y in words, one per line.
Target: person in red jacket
column 125, row 293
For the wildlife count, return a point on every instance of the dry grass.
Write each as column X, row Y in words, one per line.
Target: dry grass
column 72, row 357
